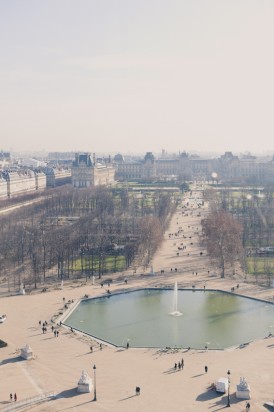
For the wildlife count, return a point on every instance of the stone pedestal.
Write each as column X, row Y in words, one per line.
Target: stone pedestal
column 26, row 352
column 84, row 383
column 243, row 390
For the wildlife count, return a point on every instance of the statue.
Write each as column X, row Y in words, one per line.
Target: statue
column 84, row 383
column 22, row 289
column 243, row 389
column 26, row 352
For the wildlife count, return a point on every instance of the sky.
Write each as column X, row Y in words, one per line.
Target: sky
column 137, row 75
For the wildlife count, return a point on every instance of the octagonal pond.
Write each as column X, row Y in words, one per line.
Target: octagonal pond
column 143, row 318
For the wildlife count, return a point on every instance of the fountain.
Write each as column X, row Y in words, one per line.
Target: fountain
column 175, row 311
column 147, row 318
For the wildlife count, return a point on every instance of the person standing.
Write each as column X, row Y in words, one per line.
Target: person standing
column 15, row 397
column 11, row 397
column 206, row 369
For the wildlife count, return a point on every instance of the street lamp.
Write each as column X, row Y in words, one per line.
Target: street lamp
column 94, row 390
column 228, row 394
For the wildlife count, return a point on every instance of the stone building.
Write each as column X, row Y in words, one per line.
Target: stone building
column 228, row 168
column 86, row 172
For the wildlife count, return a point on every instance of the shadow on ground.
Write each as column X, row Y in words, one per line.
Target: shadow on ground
column 70, row 393
column 221, row 398
column 11, row 360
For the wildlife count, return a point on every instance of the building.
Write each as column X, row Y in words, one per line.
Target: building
column 228, row 168
column 87, row 172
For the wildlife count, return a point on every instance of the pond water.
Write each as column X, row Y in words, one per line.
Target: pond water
column 209, row 318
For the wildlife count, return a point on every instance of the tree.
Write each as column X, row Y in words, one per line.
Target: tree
column 222, row 235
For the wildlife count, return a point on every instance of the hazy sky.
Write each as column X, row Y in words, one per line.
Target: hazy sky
column 137, row 75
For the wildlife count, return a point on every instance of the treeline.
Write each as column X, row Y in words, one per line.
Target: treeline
column 74, row 232
column 254, row 213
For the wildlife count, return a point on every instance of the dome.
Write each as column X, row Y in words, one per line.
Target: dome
column 149, row 156
column 118, row 158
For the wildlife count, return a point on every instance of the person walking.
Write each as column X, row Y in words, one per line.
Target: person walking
column 11, row 397
column 15, row 397
column 247, row 406
column 206, row 369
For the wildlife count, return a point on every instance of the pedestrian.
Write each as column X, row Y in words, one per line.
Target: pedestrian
column 15, row 397
column 175, row 366
column 57, row 333
column 11, row 396
column 127, row 345
column 91, row 349
column 137, row 390
column 206, row 369
column 182, row 363
column 247, row 406
column 101, row 346
column 179, row 365
column 40, row 322
column 52, row 328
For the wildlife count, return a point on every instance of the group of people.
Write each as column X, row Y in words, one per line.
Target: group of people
column 44, row 326
column 13, row 397
column 56, row 333
column 179, row 365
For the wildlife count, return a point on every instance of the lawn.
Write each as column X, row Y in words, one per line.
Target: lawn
column 260, row 265
column 111, row 263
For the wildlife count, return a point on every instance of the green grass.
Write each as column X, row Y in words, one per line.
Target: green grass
column 109, row 263
column 262, row 265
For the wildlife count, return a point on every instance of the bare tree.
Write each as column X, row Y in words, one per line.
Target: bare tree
column 222, row 235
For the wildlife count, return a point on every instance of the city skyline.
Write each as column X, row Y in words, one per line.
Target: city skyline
column 137, row 76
